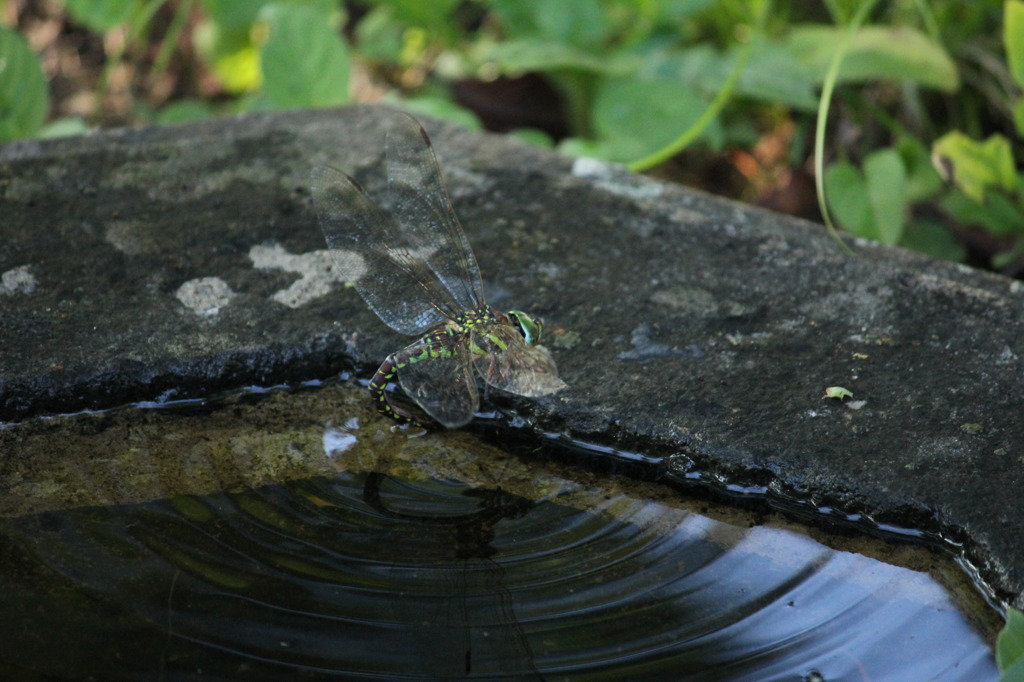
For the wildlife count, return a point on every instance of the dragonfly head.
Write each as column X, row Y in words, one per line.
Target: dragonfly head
column 528, row 326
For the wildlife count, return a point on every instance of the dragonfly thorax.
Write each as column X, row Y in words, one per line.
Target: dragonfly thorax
column 475, row 319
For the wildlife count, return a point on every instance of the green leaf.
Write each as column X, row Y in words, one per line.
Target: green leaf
column 435, row 13
column 516, row 56
column 436, row 20
column 975, row 166
column 1018, row 116
column 329, row 10
column 240, row 70
column 847, row 197
column 64, row 127
column 1015, row 673
column 999, row 215
column 1013, row 39
column 671, row 13
column 568, row 22
column 184, row 110
column 101, row 15
column 932, row 238
column 24, row 99
column 574, row 22
column 232, row 14
column 379, row 36
column 1008, row 257
column 231, row 53
column 439, row 107
column 581, row 146
column 516, row 16
column 771, row 74
column 923, row 182
column 235, row 14
column 305, row 63
column 885, row 179
column 534, row 136
column 897, row 53
column 1010, row 642
column 635, row 117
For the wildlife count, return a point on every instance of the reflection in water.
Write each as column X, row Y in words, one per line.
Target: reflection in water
column 478, row 611
column 398, row 566
column 373, row 575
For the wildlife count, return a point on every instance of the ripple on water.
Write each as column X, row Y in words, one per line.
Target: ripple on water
column 368, row 574
column 378, row 574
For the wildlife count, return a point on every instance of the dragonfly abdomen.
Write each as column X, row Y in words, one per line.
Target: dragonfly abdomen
column 385, row 373
column 437, row 346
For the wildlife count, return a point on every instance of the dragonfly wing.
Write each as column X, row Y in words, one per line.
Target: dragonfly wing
column 440, row 381
column 390, row 276
column 420, row 202
column 519, row 367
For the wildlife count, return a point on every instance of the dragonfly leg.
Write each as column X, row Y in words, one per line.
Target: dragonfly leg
column 387, row 371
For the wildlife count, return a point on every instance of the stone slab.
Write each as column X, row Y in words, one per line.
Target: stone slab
column 154, row 264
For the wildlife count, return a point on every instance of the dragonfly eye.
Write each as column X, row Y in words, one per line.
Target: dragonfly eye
column 529, row 327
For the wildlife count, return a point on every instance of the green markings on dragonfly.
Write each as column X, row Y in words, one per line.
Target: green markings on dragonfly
column 419, row 275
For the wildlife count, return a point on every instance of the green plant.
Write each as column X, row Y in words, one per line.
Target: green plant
column 23, row 96
column 277, row 55
column 877, row 200
column 1010, row 648
column 641, row 80
column 270, row 55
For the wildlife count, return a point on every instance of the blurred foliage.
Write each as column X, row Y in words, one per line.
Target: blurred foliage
column 1010, row 648
column 922, row 129
column 23, row 96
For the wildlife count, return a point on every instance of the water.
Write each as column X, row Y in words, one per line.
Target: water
column 294, row 536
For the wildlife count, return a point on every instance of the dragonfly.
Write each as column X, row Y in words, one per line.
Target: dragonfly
column 414, row 267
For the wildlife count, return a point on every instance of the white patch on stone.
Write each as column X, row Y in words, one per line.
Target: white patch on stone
column 584, row 167
column 19, row 280
column 318, row 271
column 616, row 179
column 1007, row 357
column 205, row 296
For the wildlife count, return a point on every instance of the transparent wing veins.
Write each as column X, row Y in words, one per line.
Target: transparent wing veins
column 424, row 210
column 397, row 285
column 520, row 368
column 444, row 387
column 418, row 265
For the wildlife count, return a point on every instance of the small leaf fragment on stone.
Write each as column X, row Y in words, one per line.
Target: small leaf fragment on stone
column 837, row 392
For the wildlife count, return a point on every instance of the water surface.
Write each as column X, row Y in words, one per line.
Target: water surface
column 294, row 536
